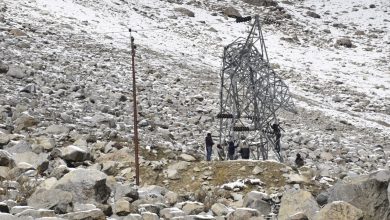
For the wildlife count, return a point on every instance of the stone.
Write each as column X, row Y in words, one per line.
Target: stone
column 122, row 207
column 187, row 157
column 45, row 142
column 191, row 208
column 339, row 210
column 4, row 207
column 94, row 214
column 4, row 172
column 18, row 209
column 6, row 159
column 244, row 213
column 326, row 156
column 322, row 198
column 17, row 32
column 149, row 216
column 185, row 11
column 257, row 170
column 171, row 198
column 25, row 121
column 57, row 130
column 133, row 217
column 16, row 72
column 36, row 213
column 6, row 216
column 55, row 199
column 172, row 174
column 86, row 186
column 231, row 12
column 365, row 193
column 169, row 213
column 265, row 3
column 31, row 158
column 110, row 167
column 126, row 191
column 180, row 165
column 3, row 67
column 381, row 176
column 294, row 201
column 255, row 200
column 30, row 88
column 83, row 207
column 73, row 153
column 312, row 14
column 298, row 216
column 220, row 209
column 296, row 179
column 346, row 42
column 4, row 139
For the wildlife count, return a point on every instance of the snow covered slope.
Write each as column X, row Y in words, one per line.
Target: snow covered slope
column 341, row 92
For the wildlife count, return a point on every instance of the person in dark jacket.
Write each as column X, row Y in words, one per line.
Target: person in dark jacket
column 299, row 161
column 276, row 131
column 244, row 150
column 231, row 150
column 209, row 146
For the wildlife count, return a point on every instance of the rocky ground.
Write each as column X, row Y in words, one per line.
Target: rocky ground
column 66, row 123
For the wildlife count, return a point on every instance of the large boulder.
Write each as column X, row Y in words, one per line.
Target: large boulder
column 86, row 186
column 339, row 210
column 255, row 200
column 368, row 193
column 54, row 199
column 73, row 153
column 294, row 201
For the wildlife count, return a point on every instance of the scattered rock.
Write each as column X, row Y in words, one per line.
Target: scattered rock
column 339, row 210
column 346, row 42
column 294, row 201
column 86, row 186
column 55, row 199
column 16, row 72
column 365, row 193
column 244, row 213
column 265, row 3
column 185, row 11
column 255, row 200
column 3, row 68
column 312, row 14
column 231, row 12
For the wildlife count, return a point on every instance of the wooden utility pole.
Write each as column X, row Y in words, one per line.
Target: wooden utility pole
column 135, row 111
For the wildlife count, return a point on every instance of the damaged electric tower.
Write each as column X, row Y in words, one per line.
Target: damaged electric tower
column 250, row 95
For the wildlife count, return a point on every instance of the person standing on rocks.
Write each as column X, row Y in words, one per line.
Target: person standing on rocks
column 244, row 150
column 231, row 149
column 299, row 161
column 209, row 146
column 276, row 131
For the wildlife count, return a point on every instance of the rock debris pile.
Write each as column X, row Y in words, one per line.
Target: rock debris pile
column 66, row 123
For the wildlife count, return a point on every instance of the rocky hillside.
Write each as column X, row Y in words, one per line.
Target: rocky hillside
column 66, row 123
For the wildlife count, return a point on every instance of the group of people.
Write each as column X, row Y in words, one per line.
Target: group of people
column 244, row 150
column 231, row 149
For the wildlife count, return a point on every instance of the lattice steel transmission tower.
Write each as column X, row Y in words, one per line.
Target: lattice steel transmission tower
column 250, row 95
